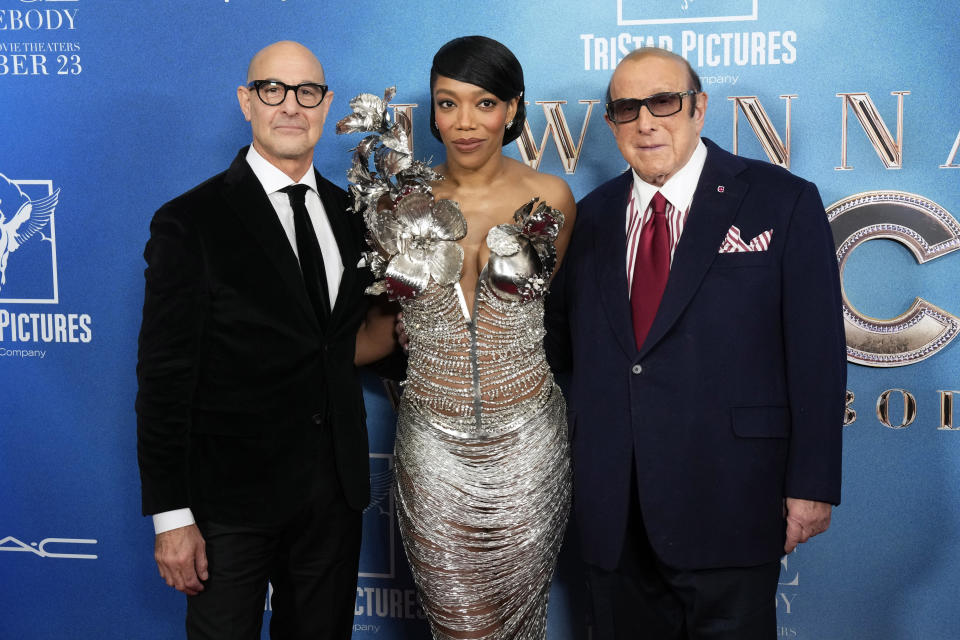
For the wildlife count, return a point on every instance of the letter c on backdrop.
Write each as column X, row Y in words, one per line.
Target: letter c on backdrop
column 929, row 232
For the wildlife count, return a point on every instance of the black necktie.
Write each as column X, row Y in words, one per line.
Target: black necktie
column 308, row 249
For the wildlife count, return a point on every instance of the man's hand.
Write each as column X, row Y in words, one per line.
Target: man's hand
column 182, row 558
column 805, row 519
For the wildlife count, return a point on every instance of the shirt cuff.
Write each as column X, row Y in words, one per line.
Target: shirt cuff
column 174, row 519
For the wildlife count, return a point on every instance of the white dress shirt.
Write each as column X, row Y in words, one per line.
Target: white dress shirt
column 273, row 179
column 678, row 191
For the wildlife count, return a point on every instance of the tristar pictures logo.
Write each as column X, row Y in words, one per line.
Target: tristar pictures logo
column 28, row 245
column 631, row 12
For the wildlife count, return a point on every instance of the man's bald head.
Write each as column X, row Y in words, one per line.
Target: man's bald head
column 643, row 52
column 283, row 50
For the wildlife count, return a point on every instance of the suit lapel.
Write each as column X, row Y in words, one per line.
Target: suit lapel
column 245, row 195
column 715, row 204
column 610, row 251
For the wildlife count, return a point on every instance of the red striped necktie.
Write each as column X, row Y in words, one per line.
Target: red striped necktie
column 650, row 269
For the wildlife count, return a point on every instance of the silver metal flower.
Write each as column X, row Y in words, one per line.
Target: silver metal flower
column 416, row 242
column 413, row 236
column 541, row 223
column 523, row 255
column 394, row 169
column 369, row 113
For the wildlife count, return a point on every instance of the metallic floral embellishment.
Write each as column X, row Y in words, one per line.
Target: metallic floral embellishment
column 417, row 241
column 502, row 240
column 413, row 236
column 395, row 171
column 523, row 254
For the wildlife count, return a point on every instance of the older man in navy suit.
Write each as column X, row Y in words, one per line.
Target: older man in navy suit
column 699, row 309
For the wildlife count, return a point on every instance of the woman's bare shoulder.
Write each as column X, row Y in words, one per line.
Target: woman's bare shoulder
column 546, row 186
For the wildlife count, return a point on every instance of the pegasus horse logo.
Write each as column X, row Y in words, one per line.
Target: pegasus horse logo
column 20, row 219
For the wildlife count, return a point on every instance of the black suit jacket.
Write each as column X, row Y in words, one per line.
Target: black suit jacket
column 238, row 381
column 735, row 400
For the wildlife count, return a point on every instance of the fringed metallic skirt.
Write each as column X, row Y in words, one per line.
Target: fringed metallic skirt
column 482, row 519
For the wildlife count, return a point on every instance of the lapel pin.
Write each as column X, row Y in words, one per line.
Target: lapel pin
column 720, row 189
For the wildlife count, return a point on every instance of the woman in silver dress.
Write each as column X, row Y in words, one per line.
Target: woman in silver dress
column 482, row 461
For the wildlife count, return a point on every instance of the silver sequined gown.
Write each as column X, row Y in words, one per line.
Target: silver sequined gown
column 482, row 460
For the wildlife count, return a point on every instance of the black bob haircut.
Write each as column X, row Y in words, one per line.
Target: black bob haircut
column 486, row 63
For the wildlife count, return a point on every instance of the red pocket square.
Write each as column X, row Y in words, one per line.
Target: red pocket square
column 734, row 244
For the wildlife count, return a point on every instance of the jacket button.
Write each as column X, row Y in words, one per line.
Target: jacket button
column 317, row 418
column 637, row 369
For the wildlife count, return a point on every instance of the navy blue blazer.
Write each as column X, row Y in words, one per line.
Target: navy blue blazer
column 735, row 400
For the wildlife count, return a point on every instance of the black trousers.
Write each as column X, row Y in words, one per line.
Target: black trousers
column 643, row 599
column 311, row 561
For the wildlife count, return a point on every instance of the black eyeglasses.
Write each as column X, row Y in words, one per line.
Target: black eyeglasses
column 660, row 105
column 274, row 92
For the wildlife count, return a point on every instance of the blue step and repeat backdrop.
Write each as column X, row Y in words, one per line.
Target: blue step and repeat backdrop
column 110, row 108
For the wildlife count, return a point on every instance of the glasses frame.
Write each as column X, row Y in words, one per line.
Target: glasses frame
column 256, row 84
column 645, row 102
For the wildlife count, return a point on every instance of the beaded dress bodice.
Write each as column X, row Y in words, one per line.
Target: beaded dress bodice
column 482, row 374
column 478, row 368
column 483, row 367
